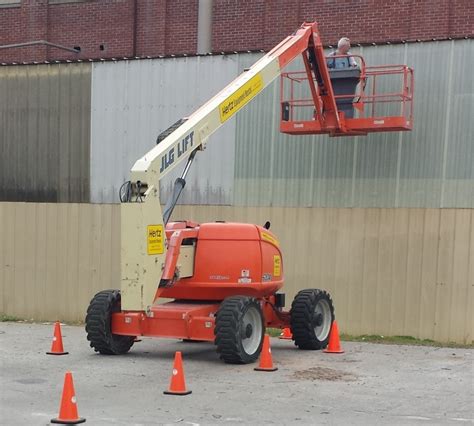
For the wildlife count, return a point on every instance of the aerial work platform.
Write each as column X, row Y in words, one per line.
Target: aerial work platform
column 368, row 99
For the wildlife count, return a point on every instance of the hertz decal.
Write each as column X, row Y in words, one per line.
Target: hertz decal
column 155, row 241
column 241, row 97
column 269, row 238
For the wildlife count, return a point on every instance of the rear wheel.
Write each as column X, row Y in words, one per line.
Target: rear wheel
column 239, row 330
column 98, row 324
column 312, row 314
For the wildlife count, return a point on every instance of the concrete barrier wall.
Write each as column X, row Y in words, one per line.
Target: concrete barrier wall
column 390, row 271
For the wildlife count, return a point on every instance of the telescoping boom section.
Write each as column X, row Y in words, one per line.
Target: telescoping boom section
column 154, row 256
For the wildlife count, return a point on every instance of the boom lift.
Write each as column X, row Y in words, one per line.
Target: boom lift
column 223, row 278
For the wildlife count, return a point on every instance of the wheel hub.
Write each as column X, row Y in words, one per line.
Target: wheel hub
column 318, row 320
column 251, row 330
column 248, row 331
column 322, row 319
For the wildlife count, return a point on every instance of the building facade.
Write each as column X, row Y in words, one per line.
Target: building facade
column 131, row 28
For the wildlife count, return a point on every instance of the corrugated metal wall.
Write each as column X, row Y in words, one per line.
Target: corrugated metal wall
column 45, row 132
column 432, row 166
column 134, row 101
column 60, row 142
column 390, row 271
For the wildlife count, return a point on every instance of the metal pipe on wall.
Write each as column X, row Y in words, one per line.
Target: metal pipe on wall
column 204, row 38
column 39, row 42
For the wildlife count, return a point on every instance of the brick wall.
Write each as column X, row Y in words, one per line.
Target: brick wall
column 25, row 23
column 90, row 25
column 101, row 28
column 238, row 25
column 181, row 26
column 151, row 29
column 260, row 24
column 118, row 28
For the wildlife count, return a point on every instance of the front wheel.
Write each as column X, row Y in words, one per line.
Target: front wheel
column 312, row 314
column 99, row 321
column 239, row 330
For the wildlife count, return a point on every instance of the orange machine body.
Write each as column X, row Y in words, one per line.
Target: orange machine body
column 230, row 259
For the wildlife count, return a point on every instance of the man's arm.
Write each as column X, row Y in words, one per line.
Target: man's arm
column 353, row 62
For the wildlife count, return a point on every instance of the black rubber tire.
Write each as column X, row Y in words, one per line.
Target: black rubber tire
column 303, row 318
column 228, row 330
column 98, row 324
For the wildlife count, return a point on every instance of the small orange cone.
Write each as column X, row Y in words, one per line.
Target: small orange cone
column 286, row 334
column 266, row 363
column 177, row 383
column 57, row 345
column 334, row 346
column 68, row 408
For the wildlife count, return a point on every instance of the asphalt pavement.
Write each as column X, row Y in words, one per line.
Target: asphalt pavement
column 370, row 384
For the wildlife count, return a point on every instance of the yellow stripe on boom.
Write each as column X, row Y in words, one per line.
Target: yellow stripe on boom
column 241, row 97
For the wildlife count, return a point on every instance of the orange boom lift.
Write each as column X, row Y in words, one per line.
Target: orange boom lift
column 223, row 278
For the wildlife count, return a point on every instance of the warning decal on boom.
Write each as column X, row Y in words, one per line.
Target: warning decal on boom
column 240, row 97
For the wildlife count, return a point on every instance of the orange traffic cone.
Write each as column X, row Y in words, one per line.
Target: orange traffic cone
column 177, row 383
column 286, row 334
column 57, row 345
column 266, row 363
column 68, row 408
column 334, row 346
